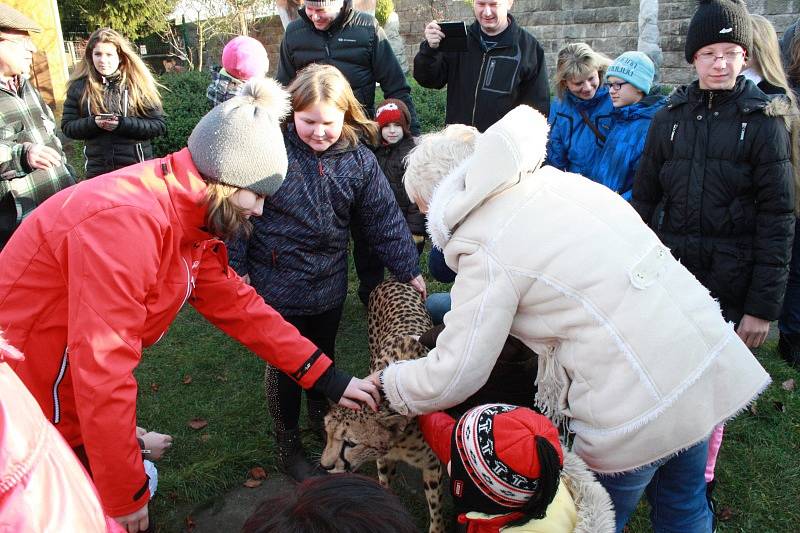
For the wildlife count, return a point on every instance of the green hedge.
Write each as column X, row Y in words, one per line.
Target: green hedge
column 184, row 104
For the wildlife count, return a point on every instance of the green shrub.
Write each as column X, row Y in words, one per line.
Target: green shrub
column 184, row 104
column 383, row 8
column 430, row 105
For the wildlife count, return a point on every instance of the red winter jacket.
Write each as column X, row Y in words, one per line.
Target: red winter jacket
column 98, row 272
column 43, row 487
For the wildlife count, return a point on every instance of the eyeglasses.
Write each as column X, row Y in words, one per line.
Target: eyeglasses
column 617, row 85
column 710, row 58
column 23, row 40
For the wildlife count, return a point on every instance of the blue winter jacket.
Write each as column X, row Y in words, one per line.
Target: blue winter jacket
column 572, row 145
column 297, row 254
column 618, row 160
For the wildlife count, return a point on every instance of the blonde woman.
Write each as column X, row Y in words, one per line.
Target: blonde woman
column 102, row 269
column 581, row 112
column 113, row 104
column 296, row 257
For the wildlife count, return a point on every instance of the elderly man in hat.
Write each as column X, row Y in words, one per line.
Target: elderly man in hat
column 32, row 164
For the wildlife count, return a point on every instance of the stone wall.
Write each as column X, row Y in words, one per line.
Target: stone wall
column 609, row 26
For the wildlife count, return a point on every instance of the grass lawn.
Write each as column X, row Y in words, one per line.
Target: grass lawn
column 197, row 372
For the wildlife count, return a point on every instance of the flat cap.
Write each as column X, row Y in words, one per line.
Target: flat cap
column 11, row 19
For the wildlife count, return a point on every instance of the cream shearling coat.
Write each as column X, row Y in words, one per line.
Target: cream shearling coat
column 634, row 354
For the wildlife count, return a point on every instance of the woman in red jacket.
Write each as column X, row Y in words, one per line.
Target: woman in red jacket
column 101, row 270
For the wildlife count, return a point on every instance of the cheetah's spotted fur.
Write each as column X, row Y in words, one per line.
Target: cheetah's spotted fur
column 396, row 313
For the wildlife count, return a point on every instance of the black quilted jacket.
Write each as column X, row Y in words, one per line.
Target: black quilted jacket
column 107, row 151
column 356, row 45
column 390, row 159
column 715, row 183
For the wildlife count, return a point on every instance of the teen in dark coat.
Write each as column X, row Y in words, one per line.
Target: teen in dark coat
column 113, row 104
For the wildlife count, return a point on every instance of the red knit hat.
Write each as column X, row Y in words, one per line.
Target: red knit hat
column 505, row 458
column 393, row 110
column 244, row 58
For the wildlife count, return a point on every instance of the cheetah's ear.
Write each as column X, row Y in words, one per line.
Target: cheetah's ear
column 395, row 423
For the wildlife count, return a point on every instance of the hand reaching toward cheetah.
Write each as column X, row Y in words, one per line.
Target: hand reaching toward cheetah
column 360, row 391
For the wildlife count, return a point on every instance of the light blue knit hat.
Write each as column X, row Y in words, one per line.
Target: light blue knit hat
column 635, row 68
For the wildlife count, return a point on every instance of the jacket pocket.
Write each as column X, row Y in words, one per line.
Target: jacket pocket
column 742, row 214
column 660, row 214
column 501, row 74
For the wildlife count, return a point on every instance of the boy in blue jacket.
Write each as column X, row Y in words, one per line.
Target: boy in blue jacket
column 629, row 80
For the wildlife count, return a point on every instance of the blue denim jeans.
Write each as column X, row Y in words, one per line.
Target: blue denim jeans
column 789, row 322
column 438, row 304
column 675, row 488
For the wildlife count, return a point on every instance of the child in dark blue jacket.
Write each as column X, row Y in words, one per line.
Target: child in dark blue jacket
column 629, row 80
column 296, row 257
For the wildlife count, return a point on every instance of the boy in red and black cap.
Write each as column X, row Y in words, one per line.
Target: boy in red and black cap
column 505, row 465
column 394, row 121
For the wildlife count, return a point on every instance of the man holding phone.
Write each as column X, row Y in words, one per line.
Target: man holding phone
column 501, row 66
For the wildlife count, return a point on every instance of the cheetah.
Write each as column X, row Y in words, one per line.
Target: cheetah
column 396, row 318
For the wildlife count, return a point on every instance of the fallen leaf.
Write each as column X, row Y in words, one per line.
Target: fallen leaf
column 725, row 514
column 788, row 385
column 172, row 495
column 253, row 483
column 257, row 473
column 154, row 387
column 198, row 423
column 190, row 524
column 779, row 406
column 222, row 378
column 754, row 410
column 205, row 437
column 187, row 379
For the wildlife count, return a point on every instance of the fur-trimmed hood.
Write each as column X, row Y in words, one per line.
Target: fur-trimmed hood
column 521, row 138
column 781, row 106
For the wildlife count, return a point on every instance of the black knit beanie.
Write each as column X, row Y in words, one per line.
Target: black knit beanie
column 718, row 21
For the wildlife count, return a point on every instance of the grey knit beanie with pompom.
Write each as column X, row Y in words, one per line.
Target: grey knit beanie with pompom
column 239, row 142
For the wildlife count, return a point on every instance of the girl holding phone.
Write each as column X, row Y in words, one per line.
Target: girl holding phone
column 113, row 104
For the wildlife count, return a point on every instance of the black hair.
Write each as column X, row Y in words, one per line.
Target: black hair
column 549, row 475
column 336, row 503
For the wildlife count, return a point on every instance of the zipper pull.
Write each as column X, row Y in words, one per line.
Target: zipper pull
column 744, row 127
column 674, row 129
column 710, row 99
column 319, row 166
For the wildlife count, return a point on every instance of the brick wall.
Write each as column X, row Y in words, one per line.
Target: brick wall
column 609, row 26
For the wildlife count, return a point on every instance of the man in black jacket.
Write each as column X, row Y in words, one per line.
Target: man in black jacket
column 332, row 32
column 502, row 68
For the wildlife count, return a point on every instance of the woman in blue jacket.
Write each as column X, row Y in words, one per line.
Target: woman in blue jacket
column 580, row 115
column 629, row 80
column 296, row 257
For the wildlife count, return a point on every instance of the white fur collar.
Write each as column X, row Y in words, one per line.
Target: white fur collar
column 504, row 155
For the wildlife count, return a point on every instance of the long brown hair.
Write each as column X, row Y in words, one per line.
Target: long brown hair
column 324, row 83
column 142, row 88
column 224, row 219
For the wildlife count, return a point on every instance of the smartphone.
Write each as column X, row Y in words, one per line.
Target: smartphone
column 455, row 36
column 106, row 116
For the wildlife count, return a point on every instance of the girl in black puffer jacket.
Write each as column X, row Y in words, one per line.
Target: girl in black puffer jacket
column 113, row 104
column 396, row 142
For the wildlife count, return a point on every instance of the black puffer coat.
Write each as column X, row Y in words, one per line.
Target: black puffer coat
column 357, row 46
column 107, row 151
column 715, row 183
column 296, row 256
column 390, row 158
